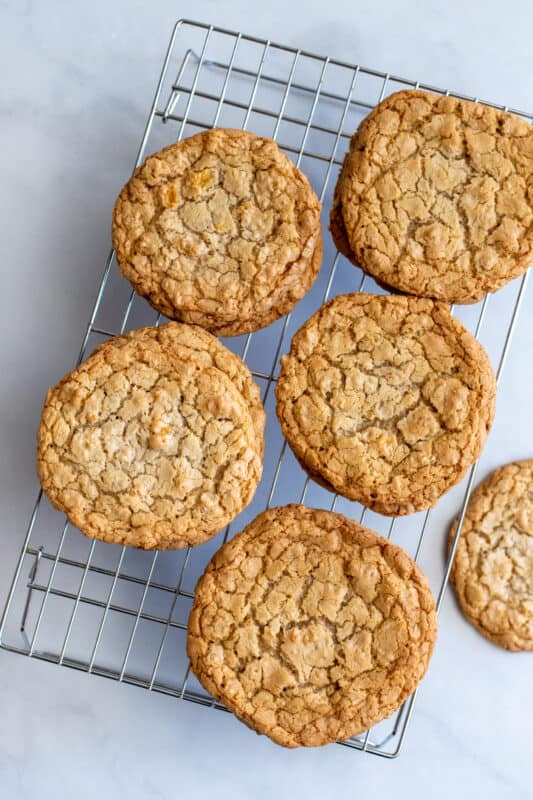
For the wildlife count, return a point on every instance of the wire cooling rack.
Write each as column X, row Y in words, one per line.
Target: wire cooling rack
column 122, row 613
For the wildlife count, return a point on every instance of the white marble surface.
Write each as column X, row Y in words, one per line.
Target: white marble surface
column 76, row 82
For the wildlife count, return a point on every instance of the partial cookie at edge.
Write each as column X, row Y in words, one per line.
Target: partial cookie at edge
column 492, row 572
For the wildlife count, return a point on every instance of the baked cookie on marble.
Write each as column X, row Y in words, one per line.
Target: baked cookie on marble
column 219, row 230
column 386, row 399
column 309, row 627
column 155, row 441
column 435, row 197
column 492, row 572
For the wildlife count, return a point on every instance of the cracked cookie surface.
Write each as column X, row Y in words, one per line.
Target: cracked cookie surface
column 309, row 627
column 219, row 230
column 387, row 399
column 435, row 197
column 155, row 441
column 492, row 572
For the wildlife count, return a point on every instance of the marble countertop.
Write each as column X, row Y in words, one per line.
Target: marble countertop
column 77, row 80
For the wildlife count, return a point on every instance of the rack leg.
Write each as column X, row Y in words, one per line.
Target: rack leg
column 31, row 580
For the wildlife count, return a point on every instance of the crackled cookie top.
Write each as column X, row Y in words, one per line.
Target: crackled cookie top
column 493, row 568
column 437, row 196
column 310, row 627
column 220, row 230
column 387, row 399
column 149, row 443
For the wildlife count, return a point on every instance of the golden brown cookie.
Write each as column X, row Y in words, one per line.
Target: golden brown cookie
column 493, row 568
column 155, row 441
column 219, row 230
column 388, row 399
column 435, row 197
column 309, row 627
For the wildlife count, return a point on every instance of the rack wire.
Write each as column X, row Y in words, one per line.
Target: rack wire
column 122, row 613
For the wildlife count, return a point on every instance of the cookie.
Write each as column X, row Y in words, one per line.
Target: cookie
column 435, row 197
column 309, row 627
column 155, row 441
column 492, row 572
column 387, row 399
column 219, row 230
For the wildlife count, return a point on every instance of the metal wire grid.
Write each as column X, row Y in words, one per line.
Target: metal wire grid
column 122, row 613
